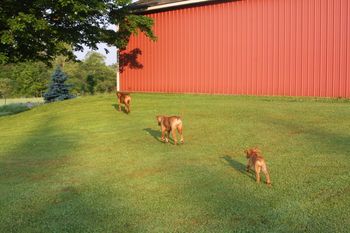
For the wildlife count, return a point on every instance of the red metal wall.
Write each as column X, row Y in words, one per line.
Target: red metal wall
column 254, row 47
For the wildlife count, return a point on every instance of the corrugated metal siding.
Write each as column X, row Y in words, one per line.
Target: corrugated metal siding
column 254, row 47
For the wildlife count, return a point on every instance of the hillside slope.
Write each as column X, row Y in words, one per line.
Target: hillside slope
column 82, row 166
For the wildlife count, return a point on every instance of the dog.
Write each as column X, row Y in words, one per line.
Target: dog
column 170, row 123
column 256, row 160
column 124, row 98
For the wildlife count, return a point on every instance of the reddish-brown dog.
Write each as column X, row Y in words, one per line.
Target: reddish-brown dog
column 256, row 160
column 170, row 123
column 124, row 98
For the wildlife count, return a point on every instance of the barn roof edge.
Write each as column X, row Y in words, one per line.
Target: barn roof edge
column 144, row 6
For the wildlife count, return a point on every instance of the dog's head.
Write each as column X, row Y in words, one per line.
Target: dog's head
column 251, row 152
column 159, row 119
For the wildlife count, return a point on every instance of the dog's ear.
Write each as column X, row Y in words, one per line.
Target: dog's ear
column 247, row 153
column 255, row 150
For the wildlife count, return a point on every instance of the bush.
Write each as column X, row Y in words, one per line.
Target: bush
column 10, row 109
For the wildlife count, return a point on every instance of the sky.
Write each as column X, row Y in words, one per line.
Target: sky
column 111, row 57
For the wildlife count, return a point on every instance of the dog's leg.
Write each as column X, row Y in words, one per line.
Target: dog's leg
column 173, row 131
column 163, row 135
column 167, row 136
column 127, row 104
column 179, row 129
column 127, row 107
column 257, row 173
column 119, row 105
column 264, row 170
column 248, row 166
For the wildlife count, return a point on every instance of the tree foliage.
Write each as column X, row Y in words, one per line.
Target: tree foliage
column 104, row 76
column 5, row 88
column 30, row 79
column 58, row 88
column 91, row 82
column 37, row 30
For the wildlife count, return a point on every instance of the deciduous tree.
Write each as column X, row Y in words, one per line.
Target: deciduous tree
column 5, row 88
column 37, row 30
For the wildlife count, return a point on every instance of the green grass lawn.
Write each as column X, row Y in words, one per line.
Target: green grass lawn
column 82, row 166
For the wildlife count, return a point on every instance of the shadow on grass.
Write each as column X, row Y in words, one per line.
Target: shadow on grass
column 238, row 166
column 156, row 134
column 318, row 136
column 26, row 174
column 224, row 203
column 41, row 190
column 99, row 210
column 43, row 148
column 122, row 108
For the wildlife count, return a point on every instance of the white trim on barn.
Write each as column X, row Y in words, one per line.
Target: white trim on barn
column 175, row 4
column 118, row 73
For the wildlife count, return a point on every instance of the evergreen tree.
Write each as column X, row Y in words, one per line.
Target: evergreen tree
column 58, row 90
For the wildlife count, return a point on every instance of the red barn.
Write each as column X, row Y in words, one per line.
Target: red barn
column 249, row 47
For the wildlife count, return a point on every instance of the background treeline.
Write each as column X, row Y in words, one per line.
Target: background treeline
column 30, row 79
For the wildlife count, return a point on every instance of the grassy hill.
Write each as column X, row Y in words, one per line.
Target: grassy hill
column 82, row 166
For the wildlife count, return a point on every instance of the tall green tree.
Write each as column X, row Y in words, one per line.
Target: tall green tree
column 29, row 78
column 37, row 30
column 93, row 64
column 104, row 75
column 91, row 83
column 5, row 88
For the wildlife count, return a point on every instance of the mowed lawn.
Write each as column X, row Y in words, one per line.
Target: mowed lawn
column 82, row 166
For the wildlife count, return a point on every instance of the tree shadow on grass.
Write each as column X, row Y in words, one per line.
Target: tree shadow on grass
column 27, row 171
column 41, row 192
column 44, row 148
column 238, row 166
column 99, row 210
column 318, row 136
